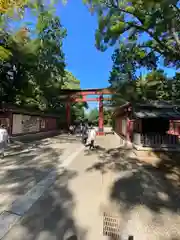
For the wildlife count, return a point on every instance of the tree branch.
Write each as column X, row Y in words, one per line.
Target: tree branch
column 175, row 8
column 174, row 34
column 110, row 4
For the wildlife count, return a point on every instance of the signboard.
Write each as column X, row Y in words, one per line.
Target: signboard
column 25, row 124
column 30, row 124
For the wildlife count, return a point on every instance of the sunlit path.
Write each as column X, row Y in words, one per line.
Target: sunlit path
column 106, row 180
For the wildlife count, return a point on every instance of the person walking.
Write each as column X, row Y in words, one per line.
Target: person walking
column 4, row 139
column 84, row 133
column 91, row 137
column 71, row 129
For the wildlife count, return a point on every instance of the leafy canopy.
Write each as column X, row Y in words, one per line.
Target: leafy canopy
column 33, row 73
column 128, row 87
column 158, row 19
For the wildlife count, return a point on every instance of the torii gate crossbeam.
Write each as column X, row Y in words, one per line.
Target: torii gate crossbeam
column 81, row 96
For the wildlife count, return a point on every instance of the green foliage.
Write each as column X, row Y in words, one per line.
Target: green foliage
column 160, row 20
column 126, row 60
column 33, row 71
column 107, row 117
column 154, row 86
column 70, row 82
column 176, row 88
column 93, row 116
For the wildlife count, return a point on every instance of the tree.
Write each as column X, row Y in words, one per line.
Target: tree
column 158, row 19
column 153, row 86
column 107, row 117
column 6, row 5
column 93, row 116
column 15, row 70
column 127, row 58
column 70, row 82
column 32, row 70
column 34, row 73
column 176, row 88
column 160, row 87
column 50, row 63
column 36, row 65
column 10, row 9
column 128, row 87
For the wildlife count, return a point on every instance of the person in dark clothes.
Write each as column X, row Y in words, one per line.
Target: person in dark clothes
column 84, row 133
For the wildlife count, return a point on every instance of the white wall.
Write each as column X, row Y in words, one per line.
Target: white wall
column 17, row 124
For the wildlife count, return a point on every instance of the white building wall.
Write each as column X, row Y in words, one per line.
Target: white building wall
column 17, row 124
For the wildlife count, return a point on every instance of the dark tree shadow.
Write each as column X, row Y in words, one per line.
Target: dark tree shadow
column 146, row 186
column 139, row 184
column 51, row 217
column 96, row 150
column 169, row 163
column 16, row 146
column 114, row 159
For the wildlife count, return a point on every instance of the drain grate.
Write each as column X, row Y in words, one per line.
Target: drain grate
column 111, row 226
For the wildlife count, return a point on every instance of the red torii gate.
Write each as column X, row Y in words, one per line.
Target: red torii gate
column 81, row 96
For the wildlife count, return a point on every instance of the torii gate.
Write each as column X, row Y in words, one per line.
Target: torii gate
column 81, row 96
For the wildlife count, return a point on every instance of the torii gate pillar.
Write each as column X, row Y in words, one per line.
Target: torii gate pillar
column 68, row 113
column 101, row 116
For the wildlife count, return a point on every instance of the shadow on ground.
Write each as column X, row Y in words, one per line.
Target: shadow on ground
column 28, row 144
column 142, row 192
column 142, row 182
column 51, row 217
column 21, row 172
column 112, row 159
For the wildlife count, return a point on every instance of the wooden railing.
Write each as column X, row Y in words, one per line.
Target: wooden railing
column 158, row 140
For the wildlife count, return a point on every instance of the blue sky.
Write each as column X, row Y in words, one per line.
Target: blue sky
column 86, row 63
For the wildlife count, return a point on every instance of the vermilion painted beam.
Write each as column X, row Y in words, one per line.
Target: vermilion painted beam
column 89, row 99
column 104, row 92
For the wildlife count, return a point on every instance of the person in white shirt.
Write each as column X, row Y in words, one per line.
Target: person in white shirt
column 71, row 129
column 91, row 137
column 4, row 139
